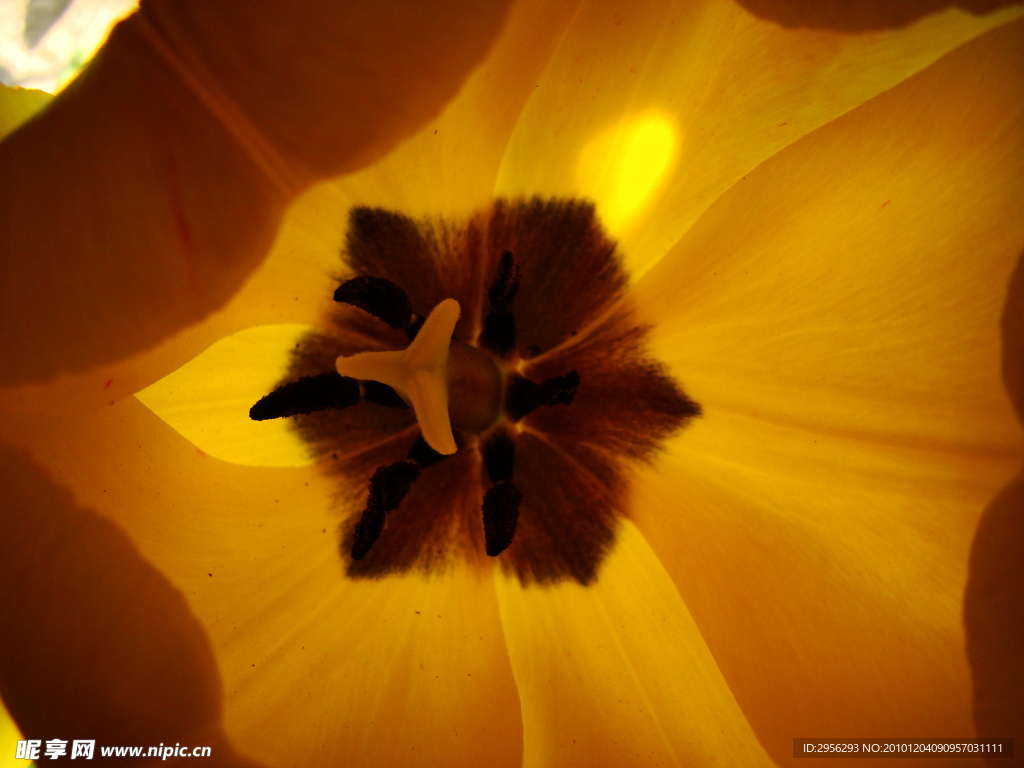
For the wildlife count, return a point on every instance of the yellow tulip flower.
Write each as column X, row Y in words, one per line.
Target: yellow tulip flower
column 815, row 222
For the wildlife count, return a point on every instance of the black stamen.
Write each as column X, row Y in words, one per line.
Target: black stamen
column 382, row 394
column 499, row 457
column 505, row 284
column 523, row 396
column 388, row 487
column 499, row 331
column 378, row 296
column 367, row 531
column 308, row 394
column 501, row 515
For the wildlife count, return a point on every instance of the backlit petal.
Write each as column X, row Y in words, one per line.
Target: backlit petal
column 317, row 667
column 617, row 674
column 837, row 316
column 96, row 643
column 724, row 90
column 140, row 200
column 825, row 573
column 855, row 281
column 859, row 15
column 19, row 104
column 208, row 399
column 9, row 737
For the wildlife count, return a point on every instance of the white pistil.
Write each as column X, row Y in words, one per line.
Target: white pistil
column 418, row 374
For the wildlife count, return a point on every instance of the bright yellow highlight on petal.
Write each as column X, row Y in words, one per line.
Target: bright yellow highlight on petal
column 208, row 399
column 623, row 167
column 9, row 736
column 17, row 105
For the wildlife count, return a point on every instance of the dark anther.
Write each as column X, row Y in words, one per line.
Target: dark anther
column 388, row 487
column 501, row 515
column 499, row 454
column 523, row 397
column 367, row 531
column 378, row 296
column 382, row 394
column 422, row 455
column 308, row 394
column 499, row 331
column 414, row 327
column 505, row 284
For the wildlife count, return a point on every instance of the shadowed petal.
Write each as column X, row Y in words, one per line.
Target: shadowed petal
column 994, row 601
column 993, row 614
column 144, row 195
column 317, row 667
column 843, row 341
column 449, row 167
column 97, row 644
column 617, row 674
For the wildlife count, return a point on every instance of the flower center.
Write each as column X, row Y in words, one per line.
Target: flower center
column 437, row 400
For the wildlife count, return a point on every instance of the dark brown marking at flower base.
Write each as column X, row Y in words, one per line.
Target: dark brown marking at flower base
column 431, row 260
column 570, row 463
column 308, row 394
column 569, row 270
column 378, row 296
column 501, row 515
column 628, row 405
column 523, row 397
column 437, row 523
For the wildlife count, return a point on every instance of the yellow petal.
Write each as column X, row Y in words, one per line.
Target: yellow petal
column 97, row 643
column 859, row 16
column 19, row 104
column 617, row 674
column 9, row 737
column 141, row 199
column 731, row 89
column 208, row 399
column 825, row 573
column 855, row 281
column 837, row 315
column 317, row 667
